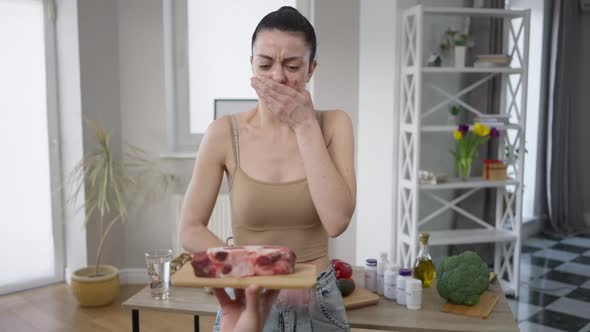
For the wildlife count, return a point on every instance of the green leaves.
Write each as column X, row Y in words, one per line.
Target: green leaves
column 110, row 182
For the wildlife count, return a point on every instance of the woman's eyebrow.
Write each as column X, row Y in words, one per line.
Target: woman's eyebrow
column 286, row 59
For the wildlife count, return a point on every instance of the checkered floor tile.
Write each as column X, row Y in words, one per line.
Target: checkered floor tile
column 554, row 285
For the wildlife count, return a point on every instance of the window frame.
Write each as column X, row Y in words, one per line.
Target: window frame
column 182, row 143
column 54, row 132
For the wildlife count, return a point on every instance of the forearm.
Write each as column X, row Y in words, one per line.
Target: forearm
column 195, row 238
column 332, row 198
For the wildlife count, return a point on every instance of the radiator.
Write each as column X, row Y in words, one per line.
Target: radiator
column 219, row 223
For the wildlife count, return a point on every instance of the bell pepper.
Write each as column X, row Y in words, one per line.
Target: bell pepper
column 343, row 269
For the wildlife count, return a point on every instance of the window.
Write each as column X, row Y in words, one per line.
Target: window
column 208, row 58
column 534, row 98
column 30, row 239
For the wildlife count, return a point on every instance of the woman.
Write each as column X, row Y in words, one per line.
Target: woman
column 290, row 171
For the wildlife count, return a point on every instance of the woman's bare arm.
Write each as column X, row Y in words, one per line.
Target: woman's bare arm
column 330, row 170
column 203, row 188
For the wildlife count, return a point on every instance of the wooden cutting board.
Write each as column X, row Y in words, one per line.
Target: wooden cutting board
column 487, row 301
column 304, row 277
column 360, row 297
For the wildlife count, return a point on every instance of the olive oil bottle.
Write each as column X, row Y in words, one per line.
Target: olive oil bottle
column 423, row 266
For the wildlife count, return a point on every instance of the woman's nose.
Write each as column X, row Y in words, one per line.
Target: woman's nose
column 278, row 75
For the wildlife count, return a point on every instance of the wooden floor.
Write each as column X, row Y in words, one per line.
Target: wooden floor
column 54, row 308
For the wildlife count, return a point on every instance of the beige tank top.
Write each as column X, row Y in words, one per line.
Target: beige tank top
column 268, row 213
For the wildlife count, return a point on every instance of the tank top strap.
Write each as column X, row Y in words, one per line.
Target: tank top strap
column 235, row 141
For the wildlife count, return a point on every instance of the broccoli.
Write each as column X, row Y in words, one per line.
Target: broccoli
column 462, row 279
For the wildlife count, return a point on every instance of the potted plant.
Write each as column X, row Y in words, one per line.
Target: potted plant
column 460, row 49
column 110, row 185
column 453, row 117
column 457, row 42
column 468, row 142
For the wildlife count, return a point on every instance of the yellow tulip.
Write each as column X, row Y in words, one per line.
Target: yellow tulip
column 481, row 129
column 458, row 135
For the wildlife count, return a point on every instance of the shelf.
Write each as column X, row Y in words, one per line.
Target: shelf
column 465, row 236
column 450, row 129
column 471, row 183
column 460, row 70
column 418, row 102
column 506, row 287
column 475, row 12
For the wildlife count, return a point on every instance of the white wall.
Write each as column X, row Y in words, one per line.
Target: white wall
column 336, row 81
column 376, row 127
column 143, row 120
column 99, row 82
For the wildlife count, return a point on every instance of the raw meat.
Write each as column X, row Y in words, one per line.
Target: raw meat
column 244, row 261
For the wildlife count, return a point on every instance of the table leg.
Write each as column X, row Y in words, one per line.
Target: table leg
column 135, row 320
column 196, row 323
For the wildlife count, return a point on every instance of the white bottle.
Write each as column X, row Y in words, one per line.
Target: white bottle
column 371, row 275
column 404, row 274
column 413, row 294
column 381, row 266
column 390, row 281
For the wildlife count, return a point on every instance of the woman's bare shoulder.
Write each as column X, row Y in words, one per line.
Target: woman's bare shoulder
column 333, row 121
column 220, row 130
column 334, row 117
column 217, row 140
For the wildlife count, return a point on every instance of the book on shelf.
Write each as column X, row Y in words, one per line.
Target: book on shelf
column 492, row 60
column 492, row 121
column 495, row 58
column 485, row 64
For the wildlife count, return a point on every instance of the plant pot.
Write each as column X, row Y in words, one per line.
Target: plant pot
column 97, row 291
column 460, row 52
column 463, row 166
column 453, row 120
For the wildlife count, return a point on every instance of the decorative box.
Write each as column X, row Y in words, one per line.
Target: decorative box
column 494, row 170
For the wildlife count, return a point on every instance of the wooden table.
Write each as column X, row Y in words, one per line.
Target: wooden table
column 386, row 315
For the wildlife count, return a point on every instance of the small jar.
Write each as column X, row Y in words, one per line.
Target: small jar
column 404, row 274
column 371, row 275
column 390, row 281
column 413, row 294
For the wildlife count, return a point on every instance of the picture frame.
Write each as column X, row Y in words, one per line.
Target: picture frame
column 232, row 106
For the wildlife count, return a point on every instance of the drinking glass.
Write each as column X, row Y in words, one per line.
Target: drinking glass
column 158, row 268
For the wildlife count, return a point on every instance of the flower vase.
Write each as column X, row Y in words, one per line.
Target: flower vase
column 453, row 120
column 460, row 52
column 463, row 166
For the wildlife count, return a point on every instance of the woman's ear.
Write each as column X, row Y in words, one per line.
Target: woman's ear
column 312, row 68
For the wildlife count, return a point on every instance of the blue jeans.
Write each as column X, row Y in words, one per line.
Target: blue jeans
column 325, row 311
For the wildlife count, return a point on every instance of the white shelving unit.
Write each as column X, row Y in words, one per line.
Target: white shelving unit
column 505, row 232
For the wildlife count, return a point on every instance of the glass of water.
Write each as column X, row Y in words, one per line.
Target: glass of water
column 158, row 268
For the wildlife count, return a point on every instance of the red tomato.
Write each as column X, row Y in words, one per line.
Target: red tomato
column 343, row 270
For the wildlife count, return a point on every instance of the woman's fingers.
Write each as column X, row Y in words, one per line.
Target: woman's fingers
column 280, row 89
column 239, row 295
column 222, row 296
column 252, row 298
column 272, row 91
column 270, row 101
